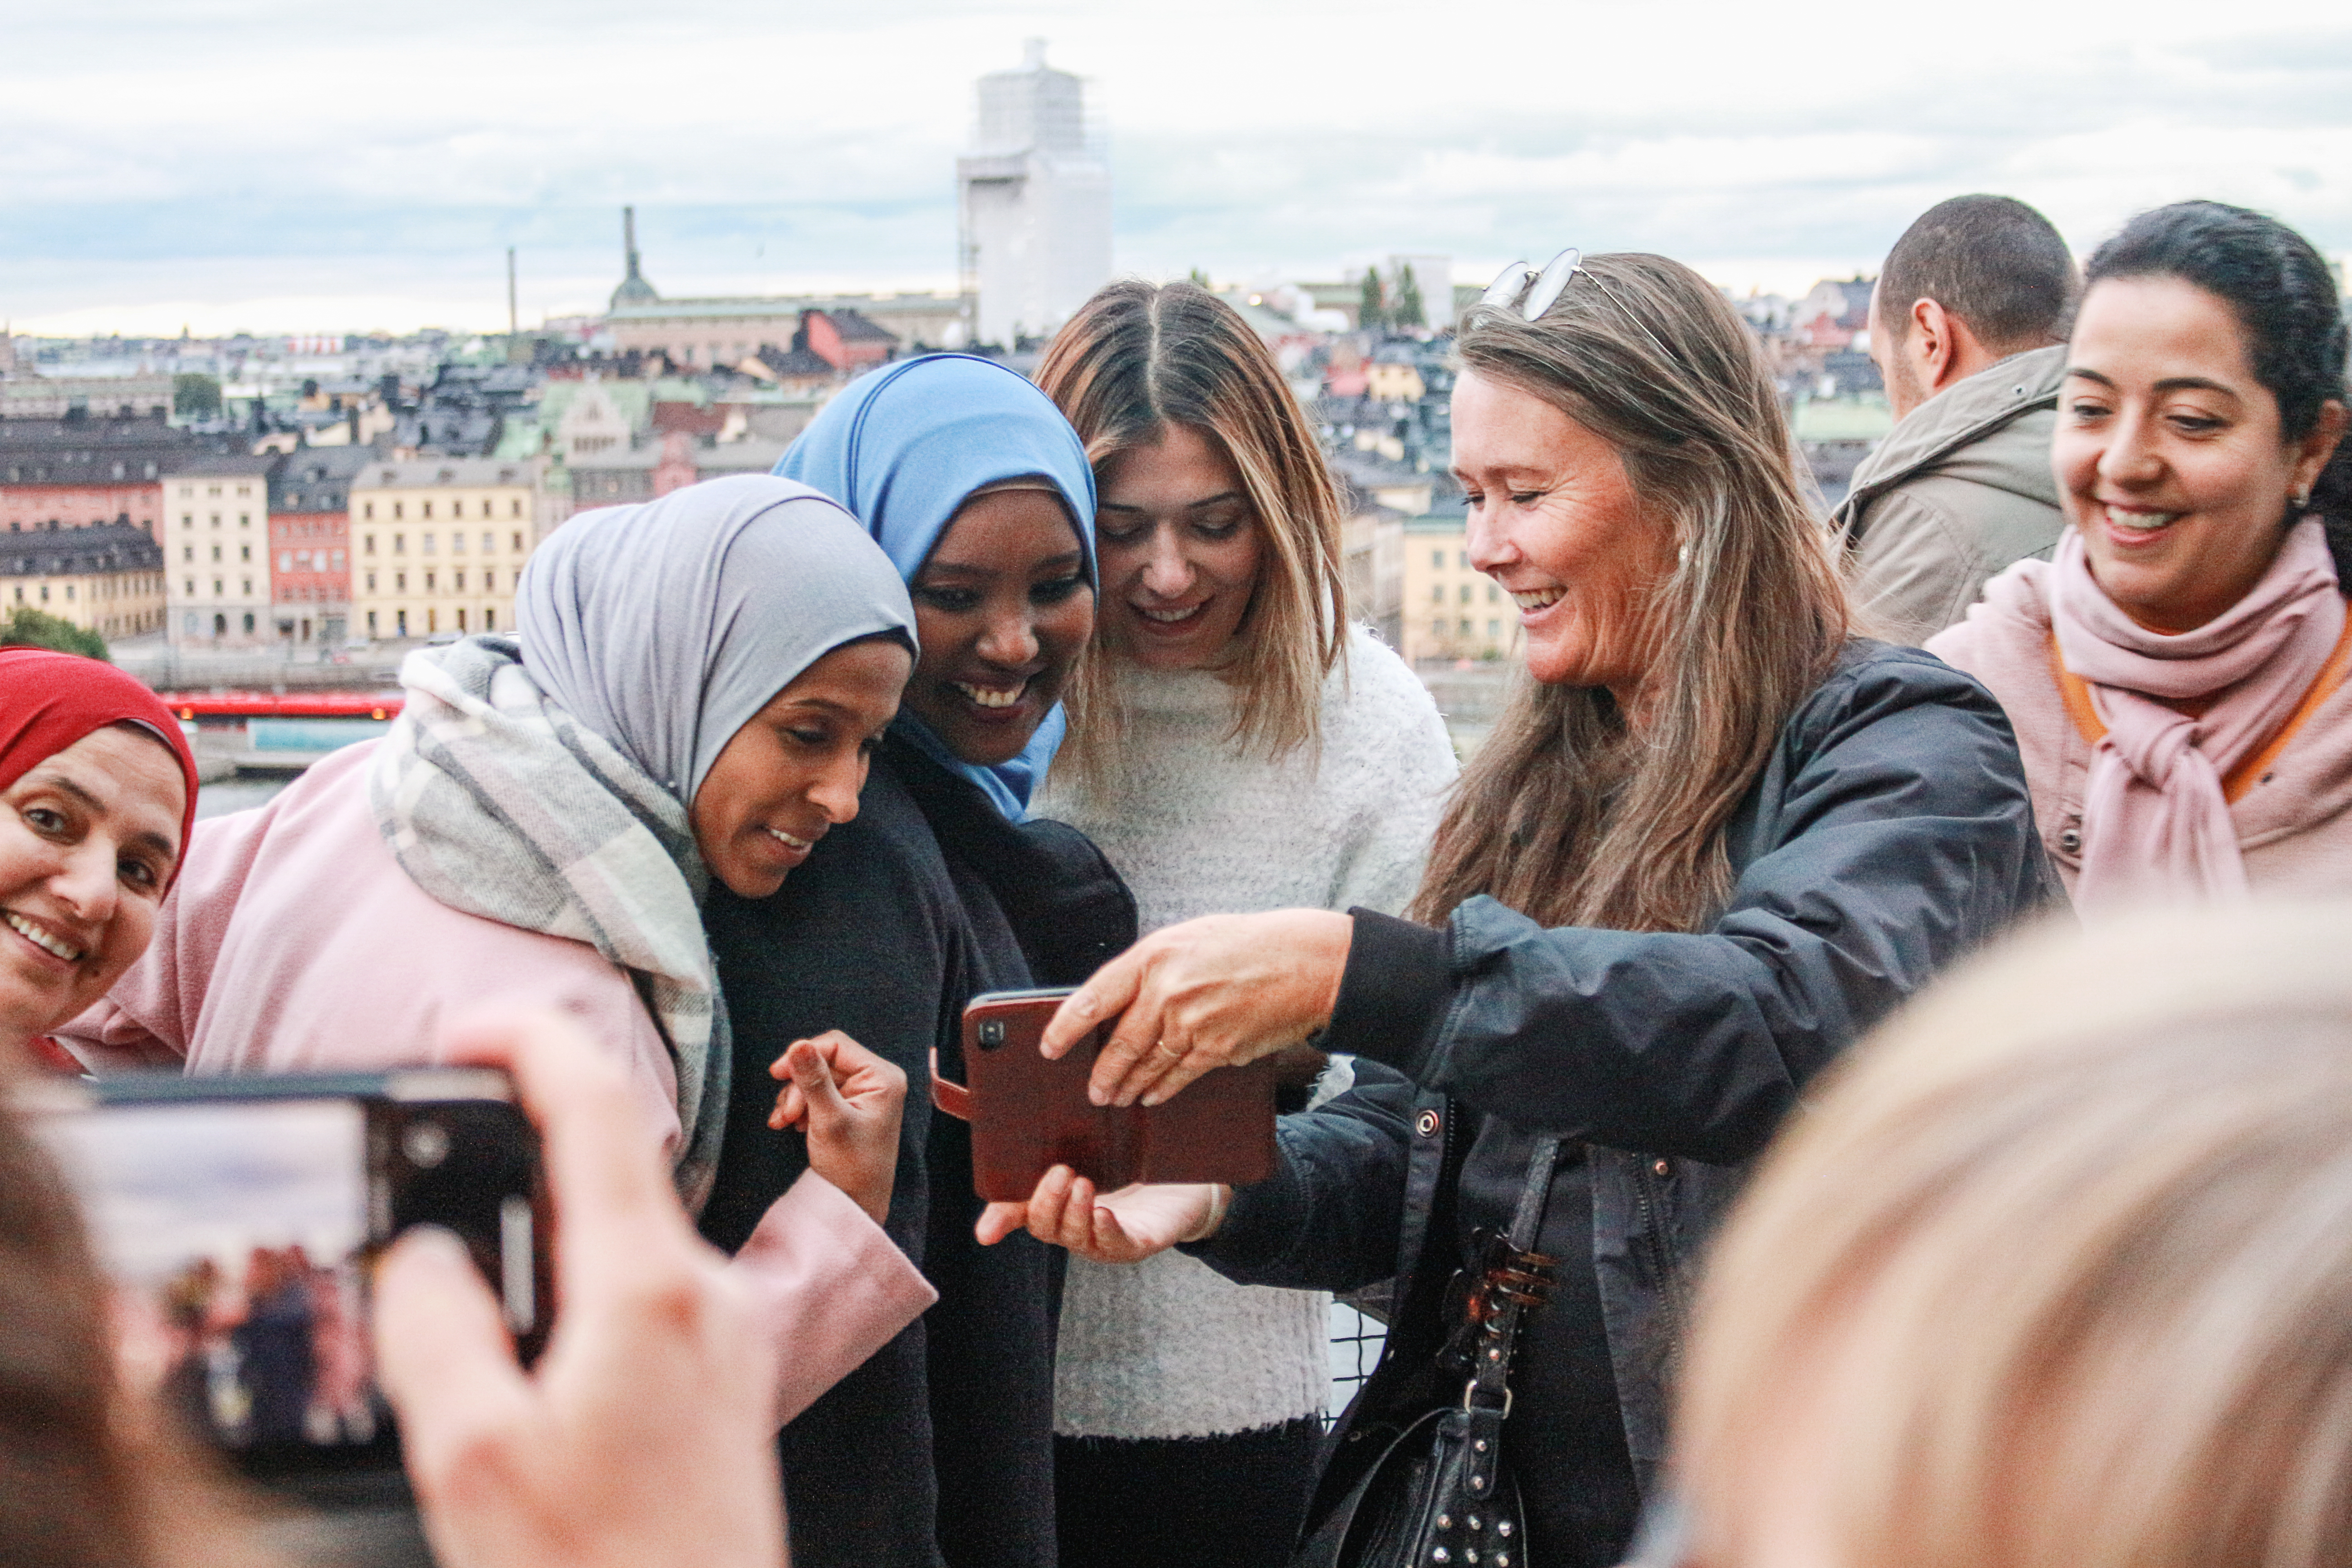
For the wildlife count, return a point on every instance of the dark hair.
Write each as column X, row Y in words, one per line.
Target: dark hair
column 2285, row 299
column 1993, row 262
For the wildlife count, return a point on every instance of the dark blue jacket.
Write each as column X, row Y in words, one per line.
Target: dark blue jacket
column 1889, row 833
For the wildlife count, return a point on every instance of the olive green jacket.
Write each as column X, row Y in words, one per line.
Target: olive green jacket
column 1958, row 493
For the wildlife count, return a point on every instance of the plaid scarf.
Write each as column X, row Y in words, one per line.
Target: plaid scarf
column 497, row 801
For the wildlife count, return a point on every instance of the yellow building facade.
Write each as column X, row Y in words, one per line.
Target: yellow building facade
column 108, row 579
column 437, row 544
column 1450, row 609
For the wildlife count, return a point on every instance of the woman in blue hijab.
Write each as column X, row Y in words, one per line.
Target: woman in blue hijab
column 939, row 1450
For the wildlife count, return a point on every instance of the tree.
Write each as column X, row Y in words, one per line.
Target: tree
column 29, row 627
column 1199, row 275
column 1408, row 311
column 195, row 396
column 1373, row 314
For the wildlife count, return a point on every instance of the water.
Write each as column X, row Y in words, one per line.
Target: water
column 236, row 795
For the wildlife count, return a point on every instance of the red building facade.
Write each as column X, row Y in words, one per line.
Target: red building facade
column 309, row 542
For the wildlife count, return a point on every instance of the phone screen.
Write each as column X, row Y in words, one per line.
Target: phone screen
column 234, row 1233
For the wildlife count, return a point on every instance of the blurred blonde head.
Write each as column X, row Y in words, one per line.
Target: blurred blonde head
column 2058, row 1272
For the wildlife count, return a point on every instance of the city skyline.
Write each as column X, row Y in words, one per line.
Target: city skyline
column 227, row 164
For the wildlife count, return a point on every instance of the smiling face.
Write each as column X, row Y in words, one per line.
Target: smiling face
column 88, row 841
column 1555, row 519
column 1003, row 609
column 1179, row 545
column 2169, row 456
column 794, row 769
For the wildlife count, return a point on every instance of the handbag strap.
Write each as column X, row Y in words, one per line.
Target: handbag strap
column 1491, row 1357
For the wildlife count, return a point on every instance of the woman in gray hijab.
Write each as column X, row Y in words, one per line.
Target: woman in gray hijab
column 693, row 694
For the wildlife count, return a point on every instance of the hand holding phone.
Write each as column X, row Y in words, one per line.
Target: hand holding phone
column 1030, row 1112
column 1127, row 1225
column 642, row 1437
column 849, row 1101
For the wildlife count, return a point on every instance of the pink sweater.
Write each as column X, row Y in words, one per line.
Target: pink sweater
column 294, row 943
column 2294, row 832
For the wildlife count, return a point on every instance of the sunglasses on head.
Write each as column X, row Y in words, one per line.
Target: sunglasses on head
column 1521, row 288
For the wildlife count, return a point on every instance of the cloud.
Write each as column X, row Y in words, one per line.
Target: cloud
column 250, row 152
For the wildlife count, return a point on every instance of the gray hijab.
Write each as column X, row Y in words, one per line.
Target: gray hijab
column 663, row 627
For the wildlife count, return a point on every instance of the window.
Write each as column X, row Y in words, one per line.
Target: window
column 190, row 585
column 245, row 554
column 458, row 509
column 1465, row 626
column 426, row 539
column 1466, row 561
column 187, row 520
column 44, row 592
column 70, row 589
column 1437, row 558
column 428, row 508
column 216, row 589
column 367, row 512
column 461, row 618
column 187, row 490
column 400, row 544
column 490, row 541
column 248, row 622
column 215, row 520
column 490, row 581
column 187, row 552
column 286, row 560
column 244, row 490
column 1466, row 592
column 401, row 624
column 339, row 560
column 490, row 619
column 457, row 543
column 212, row 489
column 371, row 581
column 245, row 520
column 517, row 510
column 1495, row 628
column 371, row 616
column 429, row 582
column 400, row 581
column 459, row 584
column 1437, row 593
column 518, row 538
column 247, row 593
column 395, row 512
column 215, row 552
column 432, row 621
column 367, row 544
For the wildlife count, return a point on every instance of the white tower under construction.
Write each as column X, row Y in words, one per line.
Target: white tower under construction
column 1033, row 202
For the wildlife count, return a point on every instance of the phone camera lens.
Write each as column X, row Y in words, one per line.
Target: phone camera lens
column 991, row 1033
column 426, row 1144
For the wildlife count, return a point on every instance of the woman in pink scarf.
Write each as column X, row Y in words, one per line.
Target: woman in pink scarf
column 2177, row 674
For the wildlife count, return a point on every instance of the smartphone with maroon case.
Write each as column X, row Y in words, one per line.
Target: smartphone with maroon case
column 1029, row 1114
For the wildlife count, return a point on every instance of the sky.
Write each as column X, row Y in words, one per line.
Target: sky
column 250, row 165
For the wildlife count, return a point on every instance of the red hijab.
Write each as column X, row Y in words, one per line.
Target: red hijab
column 49, row 701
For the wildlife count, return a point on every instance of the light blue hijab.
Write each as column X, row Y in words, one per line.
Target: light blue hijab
column 903, row 448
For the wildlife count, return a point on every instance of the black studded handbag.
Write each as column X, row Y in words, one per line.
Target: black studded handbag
column 1441, row 1492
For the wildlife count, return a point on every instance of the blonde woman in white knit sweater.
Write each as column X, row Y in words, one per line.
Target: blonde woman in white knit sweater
column 1234, row 745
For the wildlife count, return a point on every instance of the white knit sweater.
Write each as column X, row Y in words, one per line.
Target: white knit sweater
column 1168, row 1348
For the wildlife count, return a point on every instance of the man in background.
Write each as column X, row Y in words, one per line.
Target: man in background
column 1967, row 328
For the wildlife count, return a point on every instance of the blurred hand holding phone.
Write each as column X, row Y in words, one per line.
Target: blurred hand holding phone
column 238, row 1219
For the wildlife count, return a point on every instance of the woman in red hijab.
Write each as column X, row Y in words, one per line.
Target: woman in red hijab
column 98, row 792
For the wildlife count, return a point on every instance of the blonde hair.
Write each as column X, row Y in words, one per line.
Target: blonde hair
column 1138, row 357
column 2058, row 1271
column 1566, row 815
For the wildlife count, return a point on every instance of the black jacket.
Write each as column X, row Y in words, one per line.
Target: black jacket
column 939, row 1449
column 1888, row 833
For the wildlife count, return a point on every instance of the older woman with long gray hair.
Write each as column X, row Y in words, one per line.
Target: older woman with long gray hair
column 1715, row 838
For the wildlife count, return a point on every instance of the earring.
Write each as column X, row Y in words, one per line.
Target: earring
column 2302, row 498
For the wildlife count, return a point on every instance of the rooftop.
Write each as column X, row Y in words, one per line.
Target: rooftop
column 425, row 473
column 64, row 552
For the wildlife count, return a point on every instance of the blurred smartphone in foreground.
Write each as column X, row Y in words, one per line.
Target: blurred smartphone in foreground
column 237, row 1219
column 1029, row 1114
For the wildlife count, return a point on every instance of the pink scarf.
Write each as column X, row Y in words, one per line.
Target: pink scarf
column 2156, row 826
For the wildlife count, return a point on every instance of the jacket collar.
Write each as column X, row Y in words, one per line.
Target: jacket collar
column 1959, row 416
